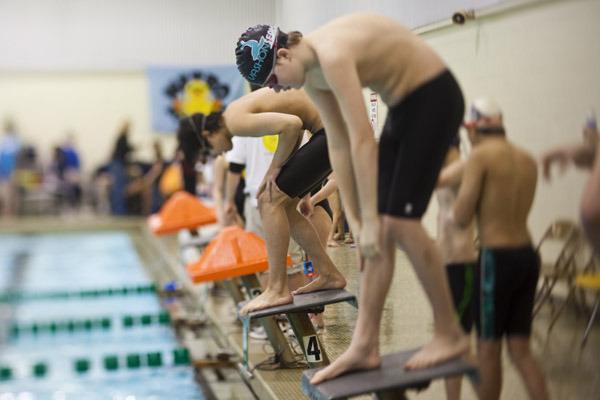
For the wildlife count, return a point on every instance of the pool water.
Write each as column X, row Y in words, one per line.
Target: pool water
column 73, row 263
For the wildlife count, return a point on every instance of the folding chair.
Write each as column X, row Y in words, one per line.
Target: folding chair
column 572, row 284
column 589, row 280
column 557, row 249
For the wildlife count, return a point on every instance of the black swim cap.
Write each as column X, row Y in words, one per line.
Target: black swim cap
column 212, row 121
column 255, row 53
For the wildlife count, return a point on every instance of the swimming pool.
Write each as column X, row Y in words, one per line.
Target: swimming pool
column 81, row 321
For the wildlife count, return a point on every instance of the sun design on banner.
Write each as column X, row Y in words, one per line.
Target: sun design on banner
column 196, row 92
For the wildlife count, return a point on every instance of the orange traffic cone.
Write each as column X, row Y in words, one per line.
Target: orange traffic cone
column 181, row 211
column 234, row 252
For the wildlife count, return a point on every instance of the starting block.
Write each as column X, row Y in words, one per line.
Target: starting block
column 181, row 211
column 236, row 253
column 297, row 314
column 390, row 381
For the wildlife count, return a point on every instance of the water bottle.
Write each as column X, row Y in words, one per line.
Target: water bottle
column 309, row 270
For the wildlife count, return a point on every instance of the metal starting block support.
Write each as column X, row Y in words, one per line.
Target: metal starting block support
column 233, row 288
column 274, row 334
column 390, row 381
column 297, row 314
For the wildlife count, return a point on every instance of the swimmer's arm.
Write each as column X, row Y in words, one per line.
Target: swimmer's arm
column 289, row 128
column 338, row 146
column 218, row 186
column 229, row 209
column 451, row 175
column 342, row 77
column 470, row 190
column 581, row 155
column 330, row 187
column 231, row 184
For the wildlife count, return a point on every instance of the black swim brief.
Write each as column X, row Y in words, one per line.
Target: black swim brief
column 306, row 169
column 461, row 277
column 417, row 134
column 507, row 282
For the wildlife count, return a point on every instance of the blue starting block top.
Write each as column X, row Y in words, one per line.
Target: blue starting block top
column 390, row 376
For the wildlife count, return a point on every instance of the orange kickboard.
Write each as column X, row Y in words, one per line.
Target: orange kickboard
column 234, row 252
column 181, row 211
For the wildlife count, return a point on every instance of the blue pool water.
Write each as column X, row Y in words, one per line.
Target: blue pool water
column 76, row 262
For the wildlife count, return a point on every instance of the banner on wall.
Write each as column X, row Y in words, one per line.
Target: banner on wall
column 181, row 91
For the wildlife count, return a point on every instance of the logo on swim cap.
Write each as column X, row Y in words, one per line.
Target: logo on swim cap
column 257, row 63
column 255, row 48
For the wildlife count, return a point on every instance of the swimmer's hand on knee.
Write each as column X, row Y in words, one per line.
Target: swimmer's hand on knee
column 268, row 184
column 305, row 206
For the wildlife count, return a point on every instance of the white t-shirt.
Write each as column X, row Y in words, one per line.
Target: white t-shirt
column 256, row 154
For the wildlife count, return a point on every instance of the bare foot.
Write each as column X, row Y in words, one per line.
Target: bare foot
column 317, row 320
column 338, row 236
column 439, row 350
column 332, row 243
column 351, row 360
column 266, row 299
column 323, row 282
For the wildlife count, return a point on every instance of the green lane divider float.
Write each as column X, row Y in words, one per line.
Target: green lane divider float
column 110, row 362
column 181, row 356
column 5, row 373
column 81, row 365
column 13, row 296
column 87, row 325
column 154, row 359
column 40, row 369
column 133, row 361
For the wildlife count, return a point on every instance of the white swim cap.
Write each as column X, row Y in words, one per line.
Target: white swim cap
column 483, row 107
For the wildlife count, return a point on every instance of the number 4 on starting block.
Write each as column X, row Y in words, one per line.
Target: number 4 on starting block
column 313, row 349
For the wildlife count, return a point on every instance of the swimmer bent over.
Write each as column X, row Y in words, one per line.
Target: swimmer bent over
column 384, row 208
column 292, row 175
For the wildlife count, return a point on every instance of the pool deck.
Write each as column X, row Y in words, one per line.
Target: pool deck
column 406, row 323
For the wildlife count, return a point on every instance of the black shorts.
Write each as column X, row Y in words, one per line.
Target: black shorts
column 461, row 277
column 306, row 169
column 417, row 134
column 506, row 290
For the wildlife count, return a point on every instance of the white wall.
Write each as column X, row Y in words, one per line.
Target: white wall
column 123, row 34
column 310, row 14
column 542, row 64
column 93, row 105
